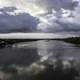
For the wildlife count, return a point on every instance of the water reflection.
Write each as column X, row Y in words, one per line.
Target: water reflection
column 57, row 47
column 48, row 49
column 29, row 52
column 44, row 49
column 18, row 56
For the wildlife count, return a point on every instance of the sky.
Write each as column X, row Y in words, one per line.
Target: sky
column 46, row 16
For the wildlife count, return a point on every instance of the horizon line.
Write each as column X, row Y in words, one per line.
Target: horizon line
column 34, row 35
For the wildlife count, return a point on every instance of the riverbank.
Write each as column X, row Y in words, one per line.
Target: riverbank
column 10, row 42
column 73, row 40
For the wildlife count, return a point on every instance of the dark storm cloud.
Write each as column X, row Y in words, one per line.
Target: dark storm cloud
column 68, row 27
column 7, row 9
column 22, row 22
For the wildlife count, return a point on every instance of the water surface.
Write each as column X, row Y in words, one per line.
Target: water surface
column 25, row 53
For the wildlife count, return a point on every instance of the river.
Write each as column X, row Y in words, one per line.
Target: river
column 25, row 53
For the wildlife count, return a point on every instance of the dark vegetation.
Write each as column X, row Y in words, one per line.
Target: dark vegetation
column 10, row 42
column 73, row 40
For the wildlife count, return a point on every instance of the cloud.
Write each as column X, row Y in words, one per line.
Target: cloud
column 22, row 22
column 28, row 6
column 36, row 6
column 57, row 4
column 39, row 15
column 63, row 17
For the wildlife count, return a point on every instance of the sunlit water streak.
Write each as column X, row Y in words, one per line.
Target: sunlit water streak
column 26, row 53
column 46, row 49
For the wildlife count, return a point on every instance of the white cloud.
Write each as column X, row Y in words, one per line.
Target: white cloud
column 65, row 13
column 64, row 16
column 48, row 21
column 47, row 11
column 28, row 6
column 36, row 36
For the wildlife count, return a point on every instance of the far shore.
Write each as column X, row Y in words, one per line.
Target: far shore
column 9, row 42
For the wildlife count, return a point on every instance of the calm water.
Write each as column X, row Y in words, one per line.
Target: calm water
column 28, row 52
